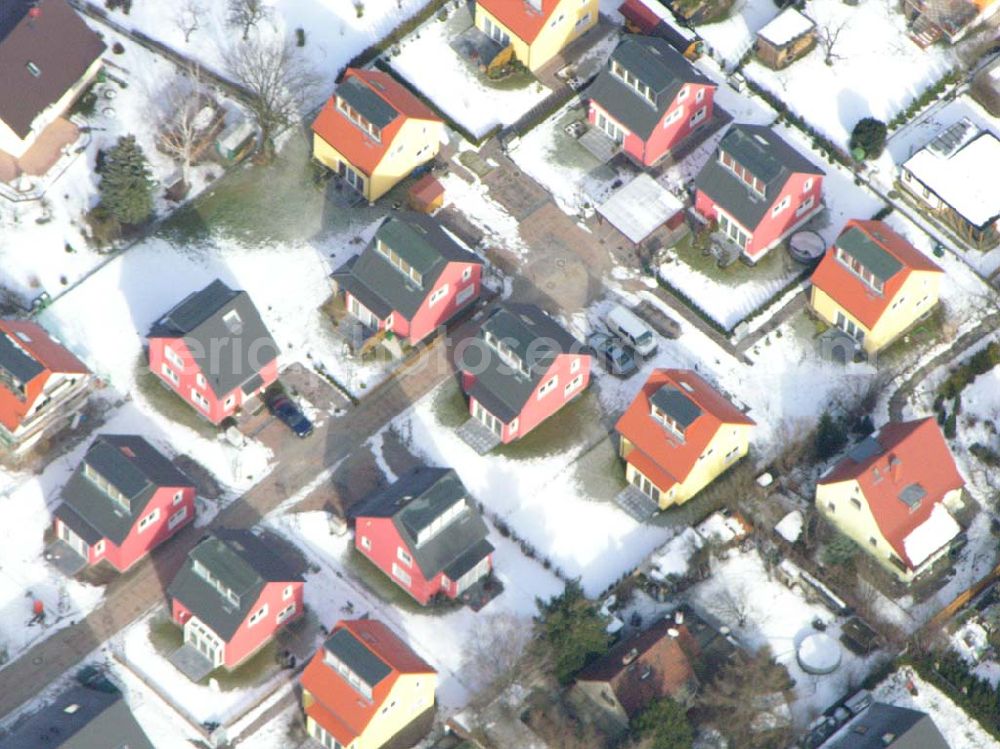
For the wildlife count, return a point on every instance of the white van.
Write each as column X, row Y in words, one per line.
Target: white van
column 623, row 323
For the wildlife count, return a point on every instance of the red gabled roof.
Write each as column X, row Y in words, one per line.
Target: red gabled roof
column 363, row 151
column 853, row 294
column 662, row 454
column 339, row 708
column 903, row 453
column 640, row 15
column 520, row 17
column 50, row 356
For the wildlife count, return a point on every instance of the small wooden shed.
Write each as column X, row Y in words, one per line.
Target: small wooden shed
column 427, row 194
column 785, row 39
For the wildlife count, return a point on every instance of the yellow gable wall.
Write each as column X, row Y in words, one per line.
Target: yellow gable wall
column 416, row 143
column 733, row 438
column 412, row 694
column 919, row 294
column 565, row 25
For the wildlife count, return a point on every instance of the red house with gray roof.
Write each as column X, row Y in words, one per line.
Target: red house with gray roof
column 214, row 351
column 679, row 434
column 42, row 385
column 758, row 189
column 122, row 501
column 894, row 493
column 373, row 132
column 521, row 367
column 411, row 279
column 425, row 532
column 649, row 99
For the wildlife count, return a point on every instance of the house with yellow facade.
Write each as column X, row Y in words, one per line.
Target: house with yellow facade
column 536, row 30
column 893, row 494
column 874, row 285
column 365, row 688
column 678, row 435
column 372, row 132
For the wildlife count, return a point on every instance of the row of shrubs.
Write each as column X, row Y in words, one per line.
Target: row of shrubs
column 404, row 29
column 979, row 363
column 949, row 672
column 505, row 530
column 929, row 94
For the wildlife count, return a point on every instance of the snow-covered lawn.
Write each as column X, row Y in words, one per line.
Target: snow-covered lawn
column 731, row 38
column 443, row 640
column 334, row 30
column 878, row 70
column 778, row 617
column 455, row 84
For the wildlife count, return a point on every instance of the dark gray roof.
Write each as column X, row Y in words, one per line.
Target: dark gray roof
column 61, row 48
column 243, row 563
column 366, row 102
column 676, row 405
column 534, row 337
column 78, row 524
column 867, row 448
column 765, row 155
column 357, row 656
column 228, row 354
column 884, row 726
column 15, row 361
column 131, row 465
column 101, row 720
column 860, row 246
column 416, row 500
column 912, row 494
column 383, row 288
column 657, row 64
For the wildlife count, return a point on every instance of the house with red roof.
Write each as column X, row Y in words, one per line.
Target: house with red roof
column 214, row 351
column 535, row 30
column 426, row 534
column 757, row 189
column 874, row 285
column 678, row 435
column 651, row 18
column 893, row 494
column 649, row 99
column 366, row 689
column 231, row 597
column 372, row 132
column 122, row 501
column 42, row 385
column 520, row 368
column 412, row 278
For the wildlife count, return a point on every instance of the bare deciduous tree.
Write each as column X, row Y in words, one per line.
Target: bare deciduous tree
column 278, row 82
column 732, row 605
column 828, row 36
column 493, row 655
column 188, row 17
column 246, row 14
column 181, row 120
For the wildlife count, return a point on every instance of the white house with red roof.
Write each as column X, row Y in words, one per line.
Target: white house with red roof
column 874, row 285
column 678, row 435
column 893, row 494
column 372, row 132
column 42, row 385
column 535, row 30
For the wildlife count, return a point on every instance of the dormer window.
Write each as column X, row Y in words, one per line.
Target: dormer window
column 106, row 487
column 630, row 80
column 397, row 262
column 359, row 684
column 667, row 421
column 441, row 522
column 34, row 69
column 233, row 322
column 506, row 353
column 744, row 174
column 205, row 574
column 854, row 266
column 358, row 119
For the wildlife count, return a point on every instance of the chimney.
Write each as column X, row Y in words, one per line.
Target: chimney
column 630, row 656
column 679, row 617
column 895, row 467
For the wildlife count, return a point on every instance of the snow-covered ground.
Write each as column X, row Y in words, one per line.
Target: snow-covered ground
column 335, row 30
column 329, row 590
column 454, row 84
column 776, row 616
column 877, row 70
column 730, row 39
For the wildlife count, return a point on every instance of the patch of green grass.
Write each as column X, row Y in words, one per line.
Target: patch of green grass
column 600, row 471
column 776, row 264
column 258, row 669
column 519, row 79
column 450, row 407
column 909, row 346
column 168, row 403
column 566, row 428
column 164, row 635
column 381, row 585
column 566, row 150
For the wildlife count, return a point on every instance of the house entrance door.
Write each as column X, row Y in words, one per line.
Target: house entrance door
column 644, row 485
column 75, row 542
column 492, row 422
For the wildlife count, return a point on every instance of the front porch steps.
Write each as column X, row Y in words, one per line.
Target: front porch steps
column 475, row 434
column 638, row 506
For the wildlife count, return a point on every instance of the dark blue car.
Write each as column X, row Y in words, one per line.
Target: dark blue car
column 290, row 415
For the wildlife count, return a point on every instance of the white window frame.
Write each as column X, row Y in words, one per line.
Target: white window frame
column 173, row 357
column 200, row 380
column 177, row 518
column 683, row 93
column 257, row 615
column 366, row 543
column 99, row 547
column 674, row 116
column 438, row 295
column 512, row 427
column 288, row 592
column 285, row 613
column 170, row 374
column 700, row 96
column 572, row 385
column 403, row 557
column 781, row 205
column 402, row 575
column 698, row 116
column 805, row 205
column 200, row 400
column 147, row 521
column 467, row 273
column 548, row 387
column 807, row 185
column 574, row 366
column 178, row 498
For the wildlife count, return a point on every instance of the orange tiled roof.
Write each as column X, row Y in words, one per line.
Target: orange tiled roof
column 363, row 151
column 853, row 294
column 520, row 17
column 343, row 711
column 663, row 455
column 910, row 452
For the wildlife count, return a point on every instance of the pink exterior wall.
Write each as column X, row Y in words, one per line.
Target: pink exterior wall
column 664, row 138
column 537, row 410
column 428, row 318
column 248, row 640
column 771, row 229
column 188, row 379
